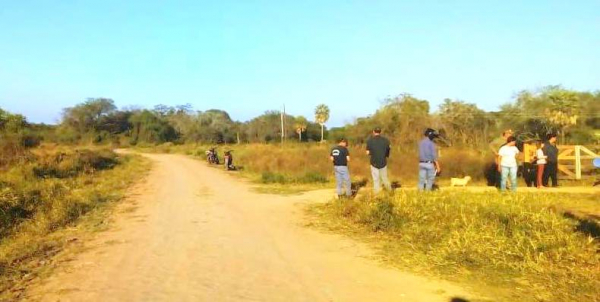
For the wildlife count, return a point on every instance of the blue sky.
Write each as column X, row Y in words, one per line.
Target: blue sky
column 247, row 57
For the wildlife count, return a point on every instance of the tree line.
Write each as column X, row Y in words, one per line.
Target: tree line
column 574, row 115
column 99, row 120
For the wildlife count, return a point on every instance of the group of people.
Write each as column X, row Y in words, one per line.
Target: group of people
column 505, row 149
column 378, row 150
column 546, row 160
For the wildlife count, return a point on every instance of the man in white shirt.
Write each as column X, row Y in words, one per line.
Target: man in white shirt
column 507, row 159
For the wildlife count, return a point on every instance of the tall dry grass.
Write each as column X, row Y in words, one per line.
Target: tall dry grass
column 515, row 244
column 301, row 163
column 297, row 160
column 49, row 191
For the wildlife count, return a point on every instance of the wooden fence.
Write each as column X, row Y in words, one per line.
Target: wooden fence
column 573, row 161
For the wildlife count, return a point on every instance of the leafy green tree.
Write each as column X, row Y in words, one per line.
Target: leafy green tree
column 148, row 127
column 216, row 126
column 300, row 124
column 403, row 119
column 464, row 122
column 321, row 117
column 15, row 123
column 163, row 110
column 264, row 128
column 86, row 116
column 116, row 122
column 563, row 109
column 3, row 118
column 550, row 109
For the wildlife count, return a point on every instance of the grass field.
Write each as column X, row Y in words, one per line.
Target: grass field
column 55, row 195
column 512, row 247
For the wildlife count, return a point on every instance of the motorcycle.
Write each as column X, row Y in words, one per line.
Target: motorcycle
column 212, row 157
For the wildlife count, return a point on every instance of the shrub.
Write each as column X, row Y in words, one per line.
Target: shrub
column 382, row 216
column 14, row 148
column 15, row 204
column 272, row 178
column 312, row 177
column 278, row 178
column 64, row 165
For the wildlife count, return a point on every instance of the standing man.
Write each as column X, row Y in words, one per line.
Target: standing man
column 551, row 169
column 428, row 160
column 495, row 146
column 507, row 159
column 378, row 148
column 340, row 158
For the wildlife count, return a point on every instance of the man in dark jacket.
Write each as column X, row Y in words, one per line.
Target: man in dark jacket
column 551, row 169
column 378, row 148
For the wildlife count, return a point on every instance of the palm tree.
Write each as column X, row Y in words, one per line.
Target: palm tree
column 321, row 117
column 300, row 125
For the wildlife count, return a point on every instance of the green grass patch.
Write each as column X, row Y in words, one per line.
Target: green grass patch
column 516, row 246
column 278, row 178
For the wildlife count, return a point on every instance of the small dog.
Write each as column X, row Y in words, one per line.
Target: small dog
column 460, row 182
column 356, row 186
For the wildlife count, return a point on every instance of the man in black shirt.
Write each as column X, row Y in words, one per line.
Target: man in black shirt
column 340, row 157
column 551, row 169
column 378, row 148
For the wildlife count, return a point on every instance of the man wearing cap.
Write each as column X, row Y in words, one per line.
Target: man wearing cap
column 340, row 157
column 378, row 148
column 428, row 160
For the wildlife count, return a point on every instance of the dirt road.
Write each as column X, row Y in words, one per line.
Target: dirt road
column 199, row 234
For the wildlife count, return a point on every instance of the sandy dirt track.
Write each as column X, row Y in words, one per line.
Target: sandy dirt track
column 198, row 234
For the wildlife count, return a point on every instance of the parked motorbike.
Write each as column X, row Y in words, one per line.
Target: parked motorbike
column 212, row 157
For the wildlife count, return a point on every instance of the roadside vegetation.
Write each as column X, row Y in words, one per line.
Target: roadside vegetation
column 513, row 247
column 467, row 131
column 45, row 194
column 301, row 164
column 45, row 189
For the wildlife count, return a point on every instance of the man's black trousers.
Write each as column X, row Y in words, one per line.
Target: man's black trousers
column 550, row 172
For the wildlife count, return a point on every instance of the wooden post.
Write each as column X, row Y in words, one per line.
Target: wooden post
column 577, row 162
column 282, row 131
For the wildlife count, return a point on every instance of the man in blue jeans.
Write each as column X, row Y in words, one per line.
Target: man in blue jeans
column 340, row 156
column 428, row 160
column 507, row 163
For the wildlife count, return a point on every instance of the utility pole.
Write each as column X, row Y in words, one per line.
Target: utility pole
column 282, row 133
